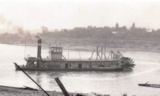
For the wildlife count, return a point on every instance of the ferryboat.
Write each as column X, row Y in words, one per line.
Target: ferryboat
column 57, row 62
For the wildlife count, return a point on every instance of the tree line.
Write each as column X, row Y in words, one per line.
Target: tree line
column 113, row 37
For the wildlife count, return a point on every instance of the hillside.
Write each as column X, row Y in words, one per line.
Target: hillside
column 120, row 37
column 111, row 37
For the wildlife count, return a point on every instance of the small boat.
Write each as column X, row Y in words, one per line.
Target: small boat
column 149, row 85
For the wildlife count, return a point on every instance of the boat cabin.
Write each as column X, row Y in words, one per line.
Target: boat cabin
column 56, row 53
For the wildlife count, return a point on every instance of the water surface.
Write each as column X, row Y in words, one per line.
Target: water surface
column 147, row 69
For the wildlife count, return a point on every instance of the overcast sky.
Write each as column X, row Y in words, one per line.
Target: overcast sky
column 57, row 14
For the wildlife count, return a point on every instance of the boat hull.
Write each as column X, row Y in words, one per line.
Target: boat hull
column 56, row 69
column 50, row 69
column 77, row 65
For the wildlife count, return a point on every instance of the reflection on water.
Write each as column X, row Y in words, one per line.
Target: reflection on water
column 115, row 83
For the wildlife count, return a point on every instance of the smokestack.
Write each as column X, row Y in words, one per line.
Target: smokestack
column 39, row 51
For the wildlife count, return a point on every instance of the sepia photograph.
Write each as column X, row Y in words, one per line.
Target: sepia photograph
column 79, row 48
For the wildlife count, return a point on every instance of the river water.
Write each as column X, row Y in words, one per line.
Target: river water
column 147, row 69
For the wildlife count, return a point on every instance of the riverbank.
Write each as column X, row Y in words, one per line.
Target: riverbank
column 16, row 91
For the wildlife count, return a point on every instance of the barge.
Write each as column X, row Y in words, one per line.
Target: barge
column 57, row 62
